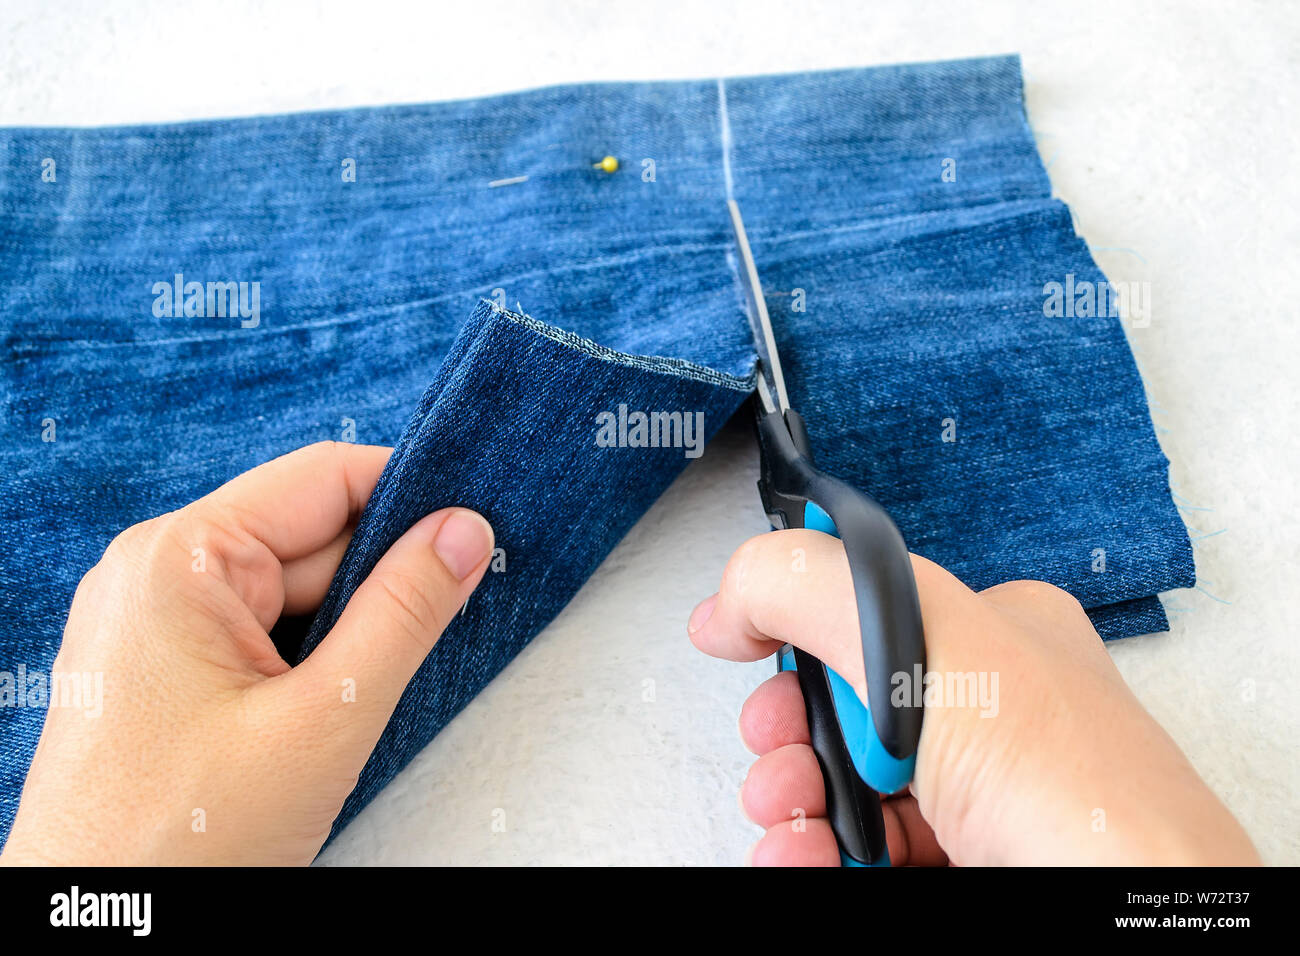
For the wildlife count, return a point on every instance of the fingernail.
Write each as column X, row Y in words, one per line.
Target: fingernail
column 463, row 542
column 749, row 854
column 703, row 611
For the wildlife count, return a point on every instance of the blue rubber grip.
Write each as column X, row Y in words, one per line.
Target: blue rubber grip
column 846, row 860
column 785, row 662
column 878, row 768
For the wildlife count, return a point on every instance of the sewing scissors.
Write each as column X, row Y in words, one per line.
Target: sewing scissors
column 863, row 750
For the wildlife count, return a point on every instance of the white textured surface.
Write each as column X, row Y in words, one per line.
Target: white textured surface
column 1170, row 129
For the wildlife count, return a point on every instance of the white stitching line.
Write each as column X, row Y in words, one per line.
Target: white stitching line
column 724, row 122
column 664, row 365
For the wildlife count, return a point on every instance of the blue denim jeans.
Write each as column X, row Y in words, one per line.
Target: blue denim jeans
column 903, row 227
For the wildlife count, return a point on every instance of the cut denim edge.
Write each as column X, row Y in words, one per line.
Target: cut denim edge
column 400, row 112
column 1188, row 576
column 1185, row 555
column 679, row 368
column 1148, row 615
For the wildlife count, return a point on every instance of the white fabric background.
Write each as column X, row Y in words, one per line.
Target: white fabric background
column 1169, row 128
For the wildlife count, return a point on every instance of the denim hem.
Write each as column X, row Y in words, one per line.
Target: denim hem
column 649, row 363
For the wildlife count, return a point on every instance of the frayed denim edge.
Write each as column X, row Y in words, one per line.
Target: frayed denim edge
column 648, row 363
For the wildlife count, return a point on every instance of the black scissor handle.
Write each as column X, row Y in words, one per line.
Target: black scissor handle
column 889, row 610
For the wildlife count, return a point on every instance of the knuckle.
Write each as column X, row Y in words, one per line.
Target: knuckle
column 163, row 556
column 230, row 532
column 1040, row 594
column 318, row 456
column 131, row 541
column 134, row 551
column 740, row 565
column 326, row 449
column 180, row 538
column 1069, row 606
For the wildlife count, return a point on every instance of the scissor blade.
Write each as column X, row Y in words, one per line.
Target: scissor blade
column 759, row 323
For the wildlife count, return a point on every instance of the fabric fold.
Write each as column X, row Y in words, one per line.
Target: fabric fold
column 522, row 424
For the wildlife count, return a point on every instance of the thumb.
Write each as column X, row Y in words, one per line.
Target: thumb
column 795, row 586
column 394, row 618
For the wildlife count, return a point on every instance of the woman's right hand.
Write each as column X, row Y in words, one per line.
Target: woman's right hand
column 1056, row 762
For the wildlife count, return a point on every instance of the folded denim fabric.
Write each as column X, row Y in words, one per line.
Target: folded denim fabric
column 902, row 224
column 557, row 502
